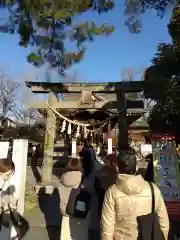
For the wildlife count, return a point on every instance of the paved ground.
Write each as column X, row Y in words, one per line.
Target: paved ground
column 45, row 221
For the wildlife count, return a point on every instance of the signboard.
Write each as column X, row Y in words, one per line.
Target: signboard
column 166, row 174
column 4, row 147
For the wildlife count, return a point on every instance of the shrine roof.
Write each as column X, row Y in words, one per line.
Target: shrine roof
column 140, row 123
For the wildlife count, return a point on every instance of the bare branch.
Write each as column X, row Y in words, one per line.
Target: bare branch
column 128, row 74
column 8, row 94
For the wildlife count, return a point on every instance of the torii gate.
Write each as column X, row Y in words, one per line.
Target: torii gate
column 88, row 101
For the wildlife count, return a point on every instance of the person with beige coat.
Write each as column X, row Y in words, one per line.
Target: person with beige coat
column 71, row 228
column 129, row 198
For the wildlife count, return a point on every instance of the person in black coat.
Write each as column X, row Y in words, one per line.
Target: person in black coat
column 88, row 158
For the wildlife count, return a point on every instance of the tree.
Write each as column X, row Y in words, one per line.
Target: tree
column 162, row 84
column 128, row 74
column 24, row 114
column 47, row 25
column 8, row 96
column 162, row 80
column 14, row 100
column 174, row 24
column 165, row 64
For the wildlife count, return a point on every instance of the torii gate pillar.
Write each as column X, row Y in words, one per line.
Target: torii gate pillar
column 122, row 121
column 50, row 135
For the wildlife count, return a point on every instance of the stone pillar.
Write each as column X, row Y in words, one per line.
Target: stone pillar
column 122, row 120
column 50, row 135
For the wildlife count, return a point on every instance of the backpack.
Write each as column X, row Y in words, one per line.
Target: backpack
column 78, row 203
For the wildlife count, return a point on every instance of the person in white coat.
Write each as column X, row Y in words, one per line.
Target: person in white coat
column 7, row 168
column 71, row 228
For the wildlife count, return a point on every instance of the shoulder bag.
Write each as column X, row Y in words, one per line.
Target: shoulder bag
column 148, row 225
column 78, row 203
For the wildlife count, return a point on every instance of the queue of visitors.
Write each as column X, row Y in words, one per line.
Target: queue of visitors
column 121, row 205
column 112, row 203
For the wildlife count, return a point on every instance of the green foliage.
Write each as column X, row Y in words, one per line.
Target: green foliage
column 162, row 83
column 35, row 59
column 163, row 80
column 134, row 8
column 165, row 65
column 165, row 119
column 174, row 25
column 48, row 25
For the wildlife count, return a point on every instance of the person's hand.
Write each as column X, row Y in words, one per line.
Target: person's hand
column 10, row 202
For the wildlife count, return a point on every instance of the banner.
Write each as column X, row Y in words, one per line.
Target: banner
column 166, row 174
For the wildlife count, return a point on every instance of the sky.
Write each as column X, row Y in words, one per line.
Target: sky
column 106, row 57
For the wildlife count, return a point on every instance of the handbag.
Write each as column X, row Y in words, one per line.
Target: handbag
column 148, row 225
column 1, row 217
column 78, row 203
column 19, row 223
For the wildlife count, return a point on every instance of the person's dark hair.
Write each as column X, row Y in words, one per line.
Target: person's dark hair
column 6, row 165
column 112, row 161
column 86, row 143
column 126, row 162
column 149, row 175
column 74, row 164
column 80, row 142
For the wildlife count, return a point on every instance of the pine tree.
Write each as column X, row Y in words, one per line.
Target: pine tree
column 48, row 24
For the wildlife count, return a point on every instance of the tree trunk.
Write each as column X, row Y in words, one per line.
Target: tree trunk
column 4, row 121
column 50, row 134
column 122, row 121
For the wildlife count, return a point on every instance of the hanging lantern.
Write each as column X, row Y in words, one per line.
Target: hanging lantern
column 78, row 130
column 69, row 129
column 63, row 126
column 85, row 132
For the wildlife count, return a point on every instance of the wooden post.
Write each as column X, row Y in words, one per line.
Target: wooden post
column 50, row 134
column 101, row 135
column 109, row 128
column 122, row 121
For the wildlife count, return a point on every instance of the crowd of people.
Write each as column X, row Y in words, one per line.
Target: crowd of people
column 111, row 203
column 118, row 196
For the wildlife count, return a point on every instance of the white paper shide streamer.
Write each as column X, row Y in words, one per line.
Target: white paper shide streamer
column 78, row 131
column 69, row 129
column 63, row 126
